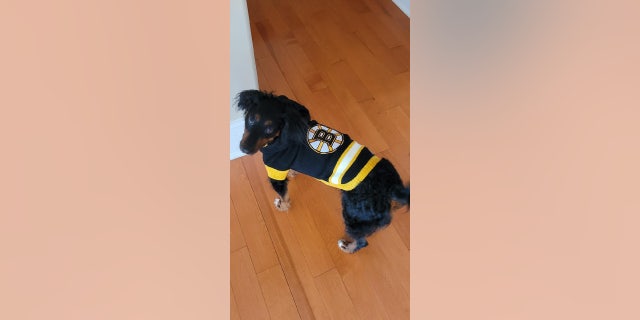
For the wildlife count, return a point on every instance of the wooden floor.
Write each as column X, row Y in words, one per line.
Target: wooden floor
column 348, row 62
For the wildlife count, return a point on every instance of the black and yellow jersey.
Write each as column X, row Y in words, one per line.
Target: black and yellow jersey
column 329, row 156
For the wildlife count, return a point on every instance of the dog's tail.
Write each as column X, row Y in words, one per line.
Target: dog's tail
column 401, row 194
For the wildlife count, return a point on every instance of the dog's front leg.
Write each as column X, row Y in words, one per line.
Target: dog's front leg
column 282, row 202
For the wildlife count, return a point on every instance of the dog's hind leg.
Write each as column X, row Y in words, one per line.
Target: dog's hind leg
column 359, row 224
column 358, row 230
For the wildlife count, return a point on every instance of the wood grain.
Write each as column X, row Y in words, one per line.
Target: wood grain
column 246, row 290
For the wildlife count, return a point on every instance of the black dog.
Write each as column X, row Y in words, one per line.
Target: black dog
column 290, row 141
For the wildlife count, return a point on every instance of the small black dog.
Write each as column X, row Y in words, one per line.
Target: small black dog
column 290, row 142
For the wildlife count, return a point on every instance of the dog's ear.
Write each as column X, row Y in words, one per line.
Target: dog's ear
column 247, row 100
column 296, row 119
column 295, row 126
column 304, row 112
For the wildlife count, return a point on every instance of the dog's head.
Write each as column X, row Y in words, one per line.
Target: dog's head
column 268, row 117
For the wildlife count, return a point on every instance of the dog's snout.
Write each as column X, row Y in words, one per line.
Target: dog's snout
column 245, row 149
column 245, row 144
column 249, row 147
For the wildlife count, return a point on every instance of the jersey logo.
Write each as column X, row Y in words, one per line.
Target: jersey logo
column 323, row 139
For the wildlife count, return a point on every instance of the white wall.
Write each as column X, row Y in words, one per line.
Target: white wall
column 403, row 5
column 242, row 67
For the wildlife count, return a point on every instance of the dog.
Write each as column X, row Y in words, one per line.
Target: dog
column 291, row 142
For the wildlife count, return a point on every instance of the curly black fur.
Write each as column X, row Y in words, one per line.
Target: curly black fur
column 366, row 208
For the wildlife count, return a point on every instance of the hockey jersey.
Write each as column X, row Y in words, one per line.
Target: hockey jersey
column 328, row 155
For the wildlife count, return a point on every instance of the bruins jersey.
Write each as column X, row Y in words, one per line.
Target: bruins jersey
column 328, row 155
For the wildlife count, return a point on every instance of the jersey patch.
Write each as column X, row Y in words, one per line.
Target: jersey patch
column 323, row 139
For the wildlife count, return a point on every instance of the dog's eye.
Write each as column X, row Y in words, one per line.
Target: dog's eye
column 269, row 130
column 252, row 119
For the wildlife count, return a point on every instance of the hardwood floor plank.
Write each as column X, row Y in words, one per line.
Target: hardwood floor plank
column 294, row 14
column 260, row 48
column 394, row 299
column 290, row 255
column 320, row 55
column 347, row 77
column 344, row 11
column 271, row 12
column 389, row 23
column 256, row 10
column 394, row 93
column 400, row 20
column 251, row 222
column 337, row 106
column 237, row 239
column 395, row 140
column 326, row 109
column 277, row 296
column 364, row 296
column 245, row 286
column 305, row 67
column 311, row 242
column 235, row 313
column 263, row 81
column 355, row 6
column 326, row 212
column 395, row 264
column 402, row 56
column 335, row 296
column 383, row 284
column 268, row 34
column 402, row 223
column 366, row 131
column 395, row 59
column 400, row 120
column 273, row 77
column 361, row 60
column 289, row 80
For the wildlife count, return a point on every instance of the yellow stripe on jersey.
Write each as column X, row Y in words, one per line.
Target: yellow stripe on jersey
column 358, row 178
column 276, row 174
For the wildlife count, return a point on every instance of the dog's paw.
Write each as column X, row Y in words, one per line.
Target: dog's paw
column 348, row 247
column 282, row 205
column 351, row 247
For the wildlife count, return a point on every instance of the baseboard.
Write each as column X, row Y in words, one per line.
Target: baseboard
column 237, row 128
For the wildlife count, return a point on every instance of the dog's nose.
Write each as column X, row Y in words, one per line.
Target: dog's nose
column 246, row 150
